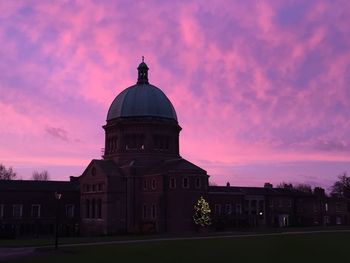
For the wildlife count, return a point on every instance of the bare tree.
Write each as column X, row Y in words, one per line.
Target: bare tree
column 341, row 188
column 7, row 174
column 285, row 185
column 41, row 176
column 306, row 188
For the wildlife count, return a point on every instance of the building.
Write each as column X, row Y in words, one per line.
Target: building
column 30, row 208
column 143, row 185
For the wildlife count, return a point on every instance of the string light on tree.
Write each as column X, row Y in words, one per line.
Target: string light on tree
column 202, row 212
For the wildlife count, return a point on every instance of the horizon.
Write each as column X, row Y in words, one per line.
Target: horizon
column 260, row 89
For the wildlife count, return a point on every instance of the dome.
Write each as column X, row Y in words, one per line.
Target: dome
column 142, row 100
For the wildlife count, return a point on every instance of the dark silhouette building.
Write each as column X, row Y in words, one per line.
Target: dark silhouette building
column 143, row 185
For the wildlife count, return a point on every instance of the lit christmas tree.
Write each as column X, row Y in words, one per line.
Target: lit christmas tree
column 202, row 212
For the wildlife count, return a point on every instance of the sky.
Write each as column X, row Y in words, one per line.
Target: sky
column 261, row 88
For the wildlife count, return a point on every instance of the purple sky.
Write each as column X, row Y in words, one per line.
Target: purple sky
column 261, row 88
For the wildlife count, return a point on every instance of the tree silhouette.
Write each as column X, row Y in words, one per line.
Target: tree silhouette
column 202, row 212
column 40, row 176
column 7, row 174
column 341, row 188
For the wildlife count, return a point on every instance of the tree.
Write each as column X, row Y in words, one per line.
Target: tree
column 41, row 176
column 7, row 174
column 202, row 212
column 285, row 185
column 341, row 188
column 306, row 188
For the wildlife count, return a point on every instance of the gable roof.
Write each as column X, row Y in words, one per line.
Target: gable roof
column 178, row 165
column 109, row 167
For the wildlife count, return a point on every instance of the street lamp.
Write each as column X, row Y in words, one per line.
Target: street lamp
column 58, row 196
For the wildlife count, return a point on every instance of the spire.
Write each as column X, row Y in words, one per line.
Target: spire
column 143, row 72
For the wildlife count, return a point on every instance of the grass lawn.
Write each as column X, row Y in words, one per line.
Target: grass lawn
column 314, row 247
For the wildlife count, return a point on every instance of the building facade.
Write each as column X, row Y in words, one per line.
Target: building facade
column 142, row 185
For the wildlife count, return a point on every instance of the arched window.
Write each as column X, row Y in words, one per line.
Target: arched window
column 154, row 184
column 185, row 182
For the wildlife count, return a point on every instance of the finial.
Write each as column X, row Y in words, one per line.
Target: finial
column 143, row 72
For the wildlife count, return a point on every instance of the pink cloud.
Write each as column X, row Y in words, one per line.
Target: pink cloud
column 251, row 82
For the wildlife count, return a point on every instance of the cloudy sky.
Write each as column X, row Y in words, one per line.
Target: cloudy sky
column 261, row 88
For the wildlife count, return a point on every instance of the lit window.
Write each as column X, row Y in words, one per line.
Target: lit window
column 326, row 207
column 185, row 183
column 70, row 211
column 35, row 211
column 154, row 184
column 17, row 211
column 172, row 183
column 198, row 182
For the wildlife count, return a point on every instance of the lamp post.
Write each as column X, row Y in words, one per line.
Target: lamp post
column 58, row 196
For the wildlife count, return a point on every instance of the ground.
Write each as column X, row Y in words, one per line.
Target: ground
column 278, row 247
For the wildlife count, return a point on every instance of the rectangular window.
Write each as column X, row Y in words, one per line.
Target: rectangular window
column 289, row 202
column 99, row 187
column 185, row 183
column 271, row 204
column 326, row 207
column 36, row 211
column 70, row 211
column 238, row 209
column 99, row 208
column 338, row 207
column 17, row 211
column 198, row 182
column 338, row 220
column 94, row 188
column 228, row 209
column 172, row 183
column 154, row 211
column 217, row 209
column 154, row 184
column 2, row 208
column 88, row 188
column 144, row 211
column 144, row 184
column 280, row 203
column 87, row 208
